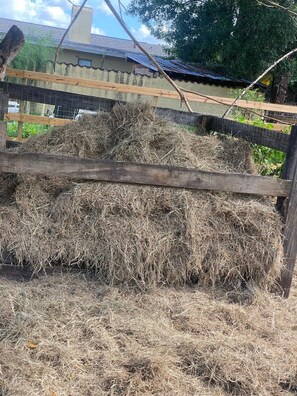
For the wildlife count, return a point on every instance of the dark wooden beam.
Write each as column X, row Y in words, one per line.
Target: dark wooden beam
column 288, row 207
column 3, row 125
column 143, row 174
column 289, row 169
column 253, row 134
column 72, row 101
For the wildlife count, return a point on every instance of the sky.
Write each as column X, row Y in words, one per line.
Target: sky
column 58, row 12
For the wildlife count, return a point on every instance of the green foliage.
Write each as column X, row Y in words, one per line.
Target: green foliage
column 269, row 162
column 243, row 37
column 28, row 129
column 34, row 54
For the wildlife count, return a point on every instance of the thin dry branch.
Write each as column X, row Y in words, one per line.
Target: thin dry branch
column 258, row 79
column 161, row 71
column 273, row 4
column 67, row 30
column 240, row 107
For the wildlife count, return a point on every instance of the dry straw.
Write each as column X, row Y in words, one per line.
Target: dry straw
column 141, row 236
column 66, row 335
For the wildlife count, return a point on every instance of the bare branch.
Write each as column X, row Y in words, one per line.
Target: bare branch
column 165, row 75
column 69, row 1
column 258, row 79
column 238, row 106
column 273, row 4
column 67, row 30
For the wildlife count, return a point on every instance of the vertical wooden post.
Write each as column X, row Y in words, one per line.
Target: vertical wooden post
column 289, row 210
column 20, row 123
column 3, row 124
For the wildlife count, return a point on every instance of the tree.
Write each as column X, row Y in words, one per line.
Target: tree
column 34, row 55
column 240, row 37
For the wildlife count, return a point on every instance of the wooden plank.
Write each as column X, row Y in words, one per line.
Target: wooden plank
column 3, row 124
column 265, row 137
column 179, row 117
column 36, row 119
column 274, row 126
column 103, row 85
column 288, row 208
column 289, row 169
column 43, row 95
column 290, row 234
column 143, row 174
column 31, row 93
column 20, row 123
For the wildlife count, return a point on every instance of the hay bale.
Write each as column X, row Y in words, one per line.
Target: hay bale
column 144, row 236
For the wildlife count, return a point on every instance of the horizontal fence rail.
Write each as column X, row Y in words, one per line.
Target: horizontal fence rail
column 143, row 174
column 266, row 137
column 36, row 119
column 155, row 92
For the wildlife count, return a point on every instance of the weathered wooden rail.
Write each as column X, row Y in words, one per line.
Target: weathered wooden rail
column 175, row 177
column 142, row 174
column 154, row 92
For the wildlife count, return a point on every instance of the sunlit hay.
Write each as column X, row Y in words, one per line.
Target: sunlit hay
column 146, row 236
column 65, row 335
column 85, row 138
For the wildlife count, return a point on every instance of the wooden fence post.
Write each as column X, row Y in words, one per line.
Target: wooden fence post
column 288, row 208
column 9, row 47
column 3, row 124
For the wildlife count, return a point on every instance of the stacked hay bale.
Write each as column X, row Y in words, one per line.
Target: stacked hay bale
column 134, row 235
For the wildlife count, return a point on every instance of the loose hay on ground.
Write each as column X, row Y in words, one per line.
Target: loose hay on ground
column 136, row 235
column 66, row 335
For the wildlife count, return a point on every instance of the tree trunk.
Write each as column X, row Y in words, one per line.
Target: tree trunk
column 279, row 89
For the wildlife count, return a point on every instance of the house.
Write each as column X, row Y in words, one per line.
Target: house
column 83, row 48
column 102, row 58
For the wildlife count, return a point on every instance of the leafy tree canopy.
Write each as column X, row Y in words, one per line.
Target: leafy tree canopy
column 242, row 36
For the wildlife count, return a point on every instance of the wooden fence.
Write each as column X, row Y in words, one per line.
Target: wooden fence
column 174, row 177
column 28, row 93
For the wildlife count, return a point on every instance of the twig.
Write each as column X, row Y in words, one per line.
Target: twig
column 277, row 5
column 161, row 71
column 67, row 30
column 240, row 107
column 69, row 1
column 120, row 9
column 258, row 79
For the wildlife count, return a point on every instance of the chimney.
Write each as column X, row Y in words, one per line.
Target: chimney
column 80, row 31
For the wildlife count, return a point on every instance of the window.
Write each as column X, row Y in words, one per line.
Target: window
column 84, row 62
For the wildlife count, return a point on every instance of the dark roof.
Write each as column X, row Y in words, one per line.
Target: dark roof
column 99, row 44
column 178, row 69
